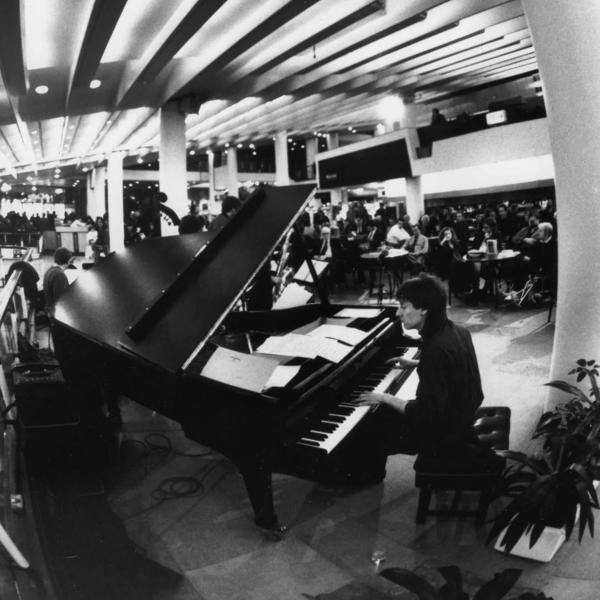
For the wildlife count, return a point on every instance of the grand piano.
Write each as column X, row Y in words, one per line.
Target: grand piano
column 163, row 324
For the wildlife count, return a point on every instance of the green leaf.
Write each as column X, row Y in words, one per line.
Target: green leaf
column 536, row 532
column 580, row 376
column 569, row 388
column 412, row 582
column 453, row 578
column 499, row 586
column 590, row 363
column 581, row 362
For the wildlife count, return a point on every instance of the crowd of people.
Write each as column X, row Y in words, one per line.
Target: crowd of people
column 444, row 241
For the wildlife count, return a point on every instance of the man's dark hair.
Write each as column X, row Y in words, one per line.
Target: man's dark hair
column 426, row 292
column 62, row 256
column 230, row 203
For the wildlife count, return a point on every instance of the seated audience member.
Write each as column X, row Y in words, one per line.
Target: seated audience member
column 377, row 234
column 539, row 257
column 397, row 235
column 448, row 252
column 507, row 225
column 418, row 248
column 461, row 229
column 229, row 206
column 489, row 231
column 55, row 280
column 525, row 232
column 192, row 222
column 100, row 244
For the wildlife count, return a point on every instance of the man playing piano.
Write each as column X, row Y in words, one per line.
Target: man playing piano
column 439, row 420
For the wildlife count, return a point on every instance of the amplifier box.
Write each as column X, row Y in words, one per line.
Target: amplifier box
column 42, row 396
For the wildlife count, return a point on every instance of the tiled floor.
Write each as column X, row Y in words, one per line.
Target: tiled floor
column 203, row 545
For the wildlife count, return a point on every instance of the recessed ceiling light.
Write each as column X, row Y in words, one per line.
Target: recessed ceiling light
column 41, row 89
column 95, row 83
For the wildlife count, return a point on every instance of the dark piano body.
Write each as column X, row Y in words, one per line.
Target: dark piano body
column 144, row 323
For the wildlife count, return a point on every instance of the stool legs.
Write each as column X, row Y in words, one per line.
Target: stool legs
column 423, row 506
column 485, row 497
column 426, row 492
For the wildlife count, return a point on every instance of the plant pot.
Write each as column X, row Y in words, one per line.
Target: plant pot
column 543, row 550
column 548, row 543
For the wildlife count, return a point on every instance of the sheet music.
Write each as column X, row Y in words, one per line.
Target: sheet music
column 332, row 350
column 348, row 335
column 305, row 346
column 359, row 313
column 246, row 371
column 303, row 274
column 291, row 344
column 293, row 295
column 282, row 375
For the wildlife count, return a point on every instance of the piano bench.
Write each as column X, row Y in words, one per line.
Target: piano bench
column 476, row 470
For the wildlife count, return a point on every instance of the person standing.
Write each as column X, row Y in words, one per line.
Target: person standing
column 55, row 280
column 229, row 206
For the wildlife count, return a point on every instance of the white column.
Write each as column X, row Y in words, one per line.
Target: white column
column 415, row 201
column 565, row 37
column 282, row 167
column 116, row 224
column 333, row 140
column 172, row 173
column 312, row 147
column 338, row 196
column 232, row 172
column 96, row 193
column 211, row 176
column 408, row 119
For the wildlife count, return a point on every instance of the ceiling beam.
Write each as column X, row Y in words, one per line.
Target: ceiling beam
column 202, row 81
column 147, row 70
column 12, row 42
column 103, row 19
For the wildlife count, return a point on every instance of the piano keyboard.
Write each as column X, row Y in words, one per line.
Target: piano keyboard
column 329, row 429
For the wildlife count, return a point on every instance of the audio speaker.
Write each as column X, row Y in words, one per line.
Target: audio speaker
column 42, row 397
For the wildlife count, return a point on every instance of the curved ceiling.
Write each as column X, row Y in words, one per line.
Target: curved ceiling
column 243, row 70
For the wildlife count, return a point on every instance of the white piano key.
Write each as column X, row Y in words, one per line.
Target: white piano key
column 408, row 388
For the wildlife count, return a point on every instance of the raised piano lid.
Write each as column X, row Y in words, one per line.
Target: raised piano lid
column 163, row 298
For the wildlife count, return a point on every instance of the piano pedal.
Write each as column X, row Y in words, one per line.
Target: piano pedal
column 274, row 533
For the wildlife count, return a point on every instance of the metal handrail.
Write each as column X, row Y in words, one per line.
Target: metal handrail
column 8, row 454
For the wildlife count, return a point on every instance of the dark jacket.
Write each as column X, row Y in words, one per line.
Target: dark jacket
column 449, row 390
column 55, row 283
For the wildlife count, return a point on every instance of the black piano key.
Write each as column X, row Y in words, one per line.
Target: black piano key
column 310, row 442
column 341, row 411
column 335, row 419
column 326, row 427
column 313, row 435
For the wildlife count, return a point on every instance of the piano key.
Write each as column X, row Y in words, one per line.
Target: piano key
column 315, row 435
column 336, row 426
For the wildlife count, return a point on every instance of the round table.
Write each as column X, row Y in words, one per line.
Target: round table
column 380, row 262
column 494, row 260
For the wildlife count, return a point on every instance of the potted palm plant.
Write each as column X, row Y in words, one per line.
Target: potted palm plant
column 454, row 589
column 550, row 490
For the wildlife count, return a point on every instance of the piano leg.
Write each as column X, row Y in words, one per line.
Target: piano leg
column 257, row 474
